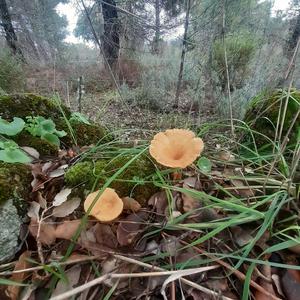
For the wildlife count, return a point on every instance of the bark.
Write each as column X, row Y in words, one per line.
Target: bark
column 157, row 27
column 183, row 52
column 111, row 36
column 10, row 34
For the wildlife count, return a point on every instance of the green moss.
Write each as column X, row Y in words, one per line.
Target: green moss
column 130, row 183
column 43, row 147
column 15, row 179
column 84, row 133
column 263, row 111
column 23, row 105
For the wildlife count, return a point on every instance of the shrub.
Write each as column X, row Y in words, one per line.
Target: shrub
column 12, row 78
column 240, row 50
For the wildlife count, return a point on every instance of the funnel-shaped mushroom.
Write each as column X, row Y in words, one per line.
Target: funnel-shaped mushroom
column 107, row 208
column 176, row 148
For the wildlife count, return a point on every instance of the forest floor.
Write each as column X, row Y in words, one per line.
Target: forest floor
column 136, row 122
column 223, row 227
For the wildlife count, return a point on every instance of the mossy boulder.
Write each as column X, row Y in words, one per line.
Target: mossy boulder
column 23, row 105
column 135, row 181
column 85, row 134
column 267, row 108
column 42, row 146
column 15, row 181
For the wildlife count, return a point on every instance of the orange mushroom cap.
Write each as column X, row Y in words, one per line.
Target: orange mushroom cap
column 107, row 208
column 176, row 148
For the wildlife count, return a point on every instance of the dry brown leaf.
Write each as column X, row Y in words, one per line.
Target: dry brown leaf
column 130, row 227
column 159, row 201
column 33, row 211
column 73, row 276
column 266, row 270
column 12, row 290
column 131, row 204
column 67, row 229
column 62, row 196
column 31, row 151
column 47, row 232
column 105, row 236
column 189, row 203
column 66, row 208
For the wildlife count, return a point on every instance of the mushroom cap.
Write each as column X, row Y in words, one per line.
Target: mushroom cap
column 176, row 148
column 107, row 208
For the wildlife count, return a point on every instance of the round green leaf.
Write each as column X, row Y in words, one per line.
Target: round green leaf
column 14, row 156
column 204, row 164
column 51, row 138
column 11, row 128
column 48, row 126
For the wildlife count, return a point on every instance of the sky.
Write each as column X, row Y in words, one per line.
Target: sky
column 70, row 11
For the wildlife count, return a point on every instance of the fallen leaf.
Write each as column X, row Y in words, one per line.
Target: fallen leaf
column 189, row 203
column 131, row 204
column 42, row 200
column 182, row 273
column 241, row 236
column 159, row 202
column 72, row 275
column 267, row 286
column 57, row 173
column 46, row 166
column 47, row 232
column 226, row 155
column 105, row 236
column 13, row 290
column 34, row 209
column 130, row 227
column 290, row 285
column 67, row 229
column 62, row 196
column 66, row 208
column 31, row 151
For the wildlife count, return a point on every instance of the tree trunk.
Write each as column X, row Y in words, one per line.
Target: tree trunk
column 183, row 52
column 156, row 41
column 111, row 37
column 10, row 34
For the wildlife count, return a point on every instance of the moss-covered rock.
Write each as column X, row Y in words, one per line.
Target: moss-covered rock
column 85, row 134
column 15, row 180
column 42, row 146
column 263, row 112
column 132, row 182
column 23, row 105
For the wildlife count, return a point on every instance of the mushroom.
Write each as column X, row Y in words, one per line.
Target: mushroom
column 176, row 148
column 107, row 208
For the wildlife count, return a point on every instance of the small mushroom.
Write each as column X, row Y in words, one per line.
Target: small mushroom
column 107, row 208
column 176, row 148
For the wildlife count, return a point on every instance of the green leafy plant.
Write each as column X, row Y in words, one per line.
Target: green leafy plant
column 11, row 128
column 11, row 153
column 44, row 128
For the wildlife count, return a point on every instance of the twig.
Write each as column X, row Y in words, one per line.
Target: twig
column 99, row 280
column 65, row 263
column 183, row 280
column 227, row 71
column 237, row 273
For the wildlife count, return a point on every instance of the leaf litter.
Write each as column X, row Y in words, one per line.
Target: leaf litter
column 188, row 240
